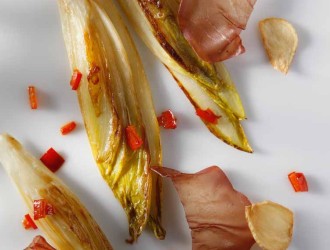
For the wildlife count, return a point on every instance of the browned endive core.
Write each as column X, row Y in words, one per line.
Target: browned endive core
column 146, row 6
column 68, row 210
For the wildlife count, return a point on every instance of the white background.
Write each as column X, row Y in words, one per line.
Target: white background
column 288, row 124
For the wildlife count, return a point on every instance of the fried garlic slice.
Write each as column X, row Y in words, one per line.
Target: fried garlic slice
column 280, row 40
column 271, row 225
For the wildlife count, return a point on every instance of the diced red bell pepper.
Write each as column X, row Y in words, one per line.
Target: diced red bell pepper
column 39, row 209
column 134, row 141
column 28, row 222
column 33, row 97
column 75, row 79
column 52, row 160
column 207, row 115
column 298, row 181
column 167, row 120
column 68, row 128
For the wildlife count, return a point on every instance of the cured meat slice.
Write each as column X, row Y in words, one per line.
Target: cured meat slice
column 212, row 28
column 215, row 211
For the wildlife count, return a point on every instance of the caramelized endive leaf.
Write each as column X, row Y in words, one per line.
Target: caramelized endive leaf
column 71, row 227
column 228, row 128
column 155, row 22
column 114, row 94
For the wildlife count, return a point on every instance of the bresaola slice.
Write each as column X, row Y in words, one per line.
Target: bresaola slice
column 215, row 211
column 213, row 28
column 39, row 243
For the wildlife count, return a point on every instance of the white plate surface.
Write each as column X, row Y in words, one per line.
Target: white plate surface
column 288, row 124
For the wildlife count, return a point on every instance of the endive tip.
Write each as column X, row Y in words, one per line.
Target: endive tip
column 249, row 149
column 6, row 138
column 245, row 148
column 3, row 136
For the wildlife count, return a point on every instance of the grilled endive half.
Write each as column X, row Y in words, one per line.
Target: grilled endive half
column 114, row 94
column 206, row 85
column 71, row 227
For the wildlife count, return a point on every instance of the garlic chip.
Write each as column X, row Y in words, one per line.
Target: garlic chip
column 280, row 40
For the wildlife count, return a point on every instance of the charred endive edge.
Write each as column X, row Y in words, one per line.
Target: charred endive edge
column 113, row 94
column 71, row 227
column 206, row 85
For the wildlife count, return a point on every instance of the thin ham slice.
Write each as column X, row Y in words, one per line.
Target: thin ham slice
column 215, row 211
column 213, row 27
column 39, row 243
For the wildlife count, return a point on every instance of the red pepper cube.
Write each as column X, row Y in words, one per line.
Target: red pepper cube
column 167, row 120
column 33, row 97
column 28, row 222
column 134, row 141
column 68, row 128
column 39, row 209
column 75, row 79
column 298, row 181
column 52, row 160
column 207, row 115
